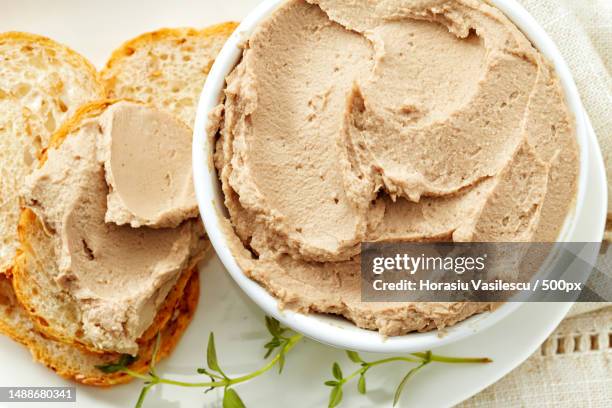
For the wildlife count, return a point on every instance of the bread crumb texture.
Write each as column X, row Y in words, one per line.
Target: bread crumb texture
column 42, row 83
column 166, row 68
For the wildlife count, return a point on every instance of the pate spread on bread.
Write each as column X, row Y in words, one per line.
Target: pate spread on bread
column 147, row 166
column 114, row 277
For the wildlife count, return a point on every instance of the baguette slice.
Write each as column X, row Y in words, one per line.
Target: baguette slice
column 78, row 365
column 166, row 68
column 37, row 296
column 42, row 83
column 52, row 310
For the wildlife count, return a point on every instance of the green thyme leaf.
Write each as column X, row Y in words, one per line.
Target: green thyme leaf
column 109, row 368
column 337, row 371
column 354, row 356
column 231, row 399
column 331, row 383
column 361, row 385
column 402, row 384
column 211, row 355
column 281, row 360
column 335, row 397
column 273, row 343
column 271, row 346
column 124, row 361
column 273, row 327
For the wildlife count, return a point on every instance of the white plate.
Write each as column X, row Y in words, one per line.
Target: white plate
column 95, row 29
column 238, row 326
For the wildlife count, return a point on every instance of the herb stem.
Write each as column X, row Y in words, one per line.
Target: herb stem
column 293, row 340
column 153, row 379
column 356, row 373
column 191, row 384
column 392, row 359
column 143, row 395
column 213, row 375
column 136, row 374
column 453, row 360
column 421, row 357
column 257, row 373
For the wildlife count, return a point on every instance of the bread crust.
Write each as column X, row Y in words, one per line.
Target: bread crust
column 87, row 111
column 166, row 68
column 76, row 59
column 127, row 48
column 41, row 347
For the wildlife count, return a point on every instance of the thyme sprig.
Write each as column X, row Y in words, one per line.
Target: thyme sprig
column 283, row 340
column 420, row 359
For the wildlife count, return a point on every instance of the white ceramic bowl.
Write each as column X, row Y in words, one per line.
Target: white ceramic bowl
column 333, row 330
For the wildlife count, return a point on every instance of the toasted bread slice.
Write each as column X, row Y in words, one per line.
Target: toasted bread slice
column 53, row 311
column 166, row 68
column 78, row 365
column 39, row 295
column 33, row 290
column 42, row 83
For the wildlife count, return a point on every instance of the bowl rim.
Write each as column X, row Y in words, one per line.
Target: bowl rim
column 328, row 329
